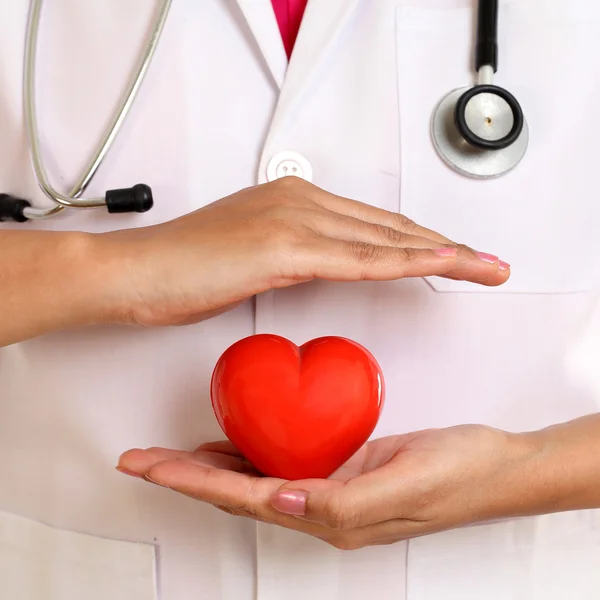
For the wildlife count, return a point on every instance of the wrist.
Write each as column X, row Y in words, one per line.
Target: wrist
column 56, row 280
column 553, row 470
column 537, row 491
column 85, row 281
column 88, row 288
column 520, row 487
column 103, row 266
column 567, row 465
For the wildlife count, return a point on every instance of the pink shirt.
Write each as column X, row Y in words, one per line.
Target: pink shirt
column 289, row 15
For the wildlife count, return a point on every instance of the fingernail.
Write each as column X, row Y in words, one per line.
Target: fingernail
column 149, row 480
column 127, row 472
column 290, row 503
column 503, row 266
column 489, row 258
column 446, row 252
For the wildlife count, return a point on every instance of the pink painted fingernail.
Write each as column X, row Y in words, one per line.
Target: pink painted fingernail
column 446, row 252
column 128, row 472
column 489, row 258
column 290, row 503
column 503, row 266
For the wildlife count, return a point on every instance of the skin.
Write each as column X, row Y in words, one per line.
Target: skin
column 194, row 267
column 398, row 487
column 273, row 236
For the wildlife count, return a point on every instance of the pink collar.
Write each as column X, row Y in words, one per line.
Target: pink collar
column 289, row 15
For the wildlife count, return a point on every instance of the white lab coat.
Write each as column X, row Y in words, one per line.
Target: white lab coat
column 218, row 104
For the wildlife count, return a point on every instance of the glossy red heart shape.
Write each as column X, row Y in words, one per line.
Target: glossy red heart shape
column 297, row 412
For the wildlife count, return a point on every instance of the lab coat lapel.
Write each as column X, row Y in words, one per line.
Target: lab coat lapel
column 323, row 22
column 260, row 16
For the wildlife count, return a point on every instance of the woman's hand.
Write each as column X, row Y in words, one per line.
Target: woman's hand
column 277, row 235
column 395, row 488
column 199, row 265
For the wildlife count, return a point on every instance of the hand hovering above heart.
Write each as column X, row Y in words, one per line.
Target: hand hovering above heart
column 393, row 489
column 267, row 237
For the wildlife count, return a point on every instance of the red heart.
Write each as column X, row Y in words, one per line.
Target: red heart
column 297, row 413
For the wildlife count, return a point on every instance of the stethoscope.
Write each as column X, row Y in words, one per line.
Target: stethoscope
column 134, row 199
column 479, row 131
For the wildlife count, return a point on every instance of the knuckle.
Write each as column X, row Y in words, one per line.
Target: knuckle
column 227, row 509
column 392, row 235
column 290, row 188
column 249, row 505
column 464, row 249
column 286, row 183
column 237, row 511
column 406, row 255
column 244, row 509
column 276, row 195
column 252, row 496
column 403, row 222
column 368, row 254
column 246, row 505
column 363, row 252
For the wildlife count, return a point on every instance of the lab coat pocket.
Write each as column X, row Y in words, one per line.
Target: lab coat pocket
column 552, row 557
column 543, row 216
column 38, row 562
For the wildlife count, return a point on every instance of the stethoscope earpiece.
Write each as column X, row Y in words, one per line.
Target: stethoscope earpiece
column 13, row 208
column 479, row 131
column 134, row 199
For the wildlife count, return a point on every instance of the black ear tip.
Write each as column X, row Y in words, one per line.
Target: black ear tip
column 143, row 197
column 135, row 199
column 13, row 209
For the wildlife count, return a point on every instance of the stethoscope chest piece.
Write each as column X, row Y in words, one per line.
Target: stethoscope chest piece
column 480, row 131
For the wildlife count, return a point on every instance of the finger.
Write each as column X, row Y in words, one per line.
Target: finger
column 479, row 267
column 380, row 534
column 250, row 497
column 221, row 446
column 352, row 467
column 372, row 214
column 343, row 227
column 139, row 462
column 233, row 492
column 390, row 222
column 339, row 260
column 343, row 506
column 216, row 486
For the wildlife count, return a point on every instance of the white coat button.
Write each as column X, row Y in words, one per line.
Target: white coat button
column 286, row 164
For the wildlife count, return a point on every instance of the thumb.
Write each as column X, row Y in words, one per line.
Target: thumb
column 292, row 498
column 370, row 498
